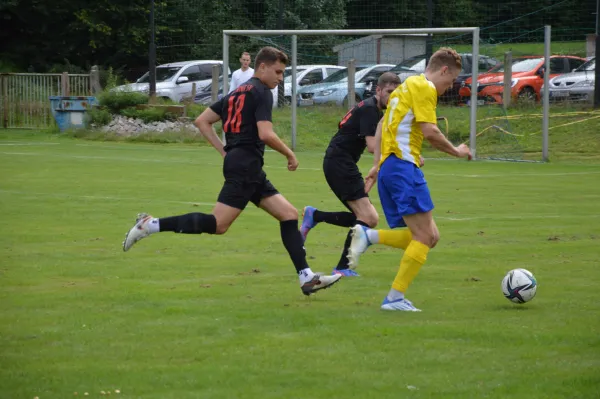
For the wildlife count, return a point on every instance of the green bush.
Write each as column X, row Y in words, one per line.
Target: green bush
column 194, row 110
column 109, row 79
column 148, row 114
column 98, row 116
column 115, row 101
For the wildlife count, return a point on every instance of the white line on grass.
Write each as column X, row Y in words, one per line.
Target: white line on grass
column 27, row 144
column 101, row 197
column 591, row 172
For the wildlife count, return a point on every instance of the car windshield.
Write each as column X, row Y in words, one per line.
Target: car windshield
column 287, row 74
column 341, row 75
column 162, row 74
column 588, row 66
column 519, row 65
column 407, row 65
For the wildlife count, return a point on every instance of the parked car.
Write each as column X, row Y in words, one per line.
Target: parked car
column 334, row 89
column 204, row 96
column 416, row 65
column 174, row 80
column 306, row 75
column 527, row 78
column 575, row 86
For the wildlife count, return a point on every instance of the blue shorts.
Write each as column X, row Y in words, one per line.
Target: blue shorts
column 402, row 190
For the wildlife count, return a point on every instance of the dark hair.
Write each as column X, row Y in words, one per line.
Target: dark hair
column 388, row 78
column 445, row 56
column 270, row 55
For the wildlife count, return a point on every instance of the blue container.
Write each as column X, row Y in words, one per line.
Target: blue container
column 69, row 111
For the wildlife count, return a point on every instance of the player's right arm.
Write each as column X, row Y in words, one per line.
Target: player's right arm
column 424, row 99
column 437, row 139
column 268, row 136
column 205, row 123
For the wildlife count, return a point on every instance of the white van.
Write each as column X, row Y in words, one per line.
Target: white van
column 174, row 80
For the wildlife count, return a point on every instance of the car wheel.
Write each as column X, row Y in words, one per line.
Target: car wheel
column 527, row 95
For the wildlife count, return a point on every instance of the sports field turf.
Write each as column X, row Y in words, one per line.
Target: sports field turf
column 182, row 316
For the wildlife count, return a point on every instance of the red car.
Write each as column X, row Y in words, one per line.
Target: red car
column 527, row 78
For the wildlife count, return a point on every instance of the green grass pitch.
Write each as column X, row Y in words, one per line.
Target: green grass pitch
column 223, row 316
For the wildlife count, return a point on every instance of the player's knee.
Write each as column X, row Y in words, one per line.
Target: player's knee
column 289, row 213
column 222, row 228
column 368, row 216
column 429, row 238
column 435, row 239
column 372, row 219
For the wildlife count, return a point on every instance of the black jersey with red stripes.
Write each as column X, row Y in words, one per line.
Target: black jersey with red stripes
column 240, row 111
column 361, row 121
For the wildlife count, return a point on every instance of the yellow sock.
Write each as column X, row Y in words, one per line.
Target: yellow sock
column 395, row 238
column 414, row 257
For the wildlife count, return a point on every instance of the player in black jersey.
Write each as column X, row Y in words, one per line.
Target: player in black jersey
column 246, row 116
column 356, row 131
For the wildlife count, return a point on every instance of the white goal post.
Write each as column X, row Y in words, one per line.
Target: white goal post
column 354, row 32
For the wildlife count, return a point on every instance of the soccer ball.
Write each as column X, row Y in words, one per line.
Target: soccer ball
column 519, row 286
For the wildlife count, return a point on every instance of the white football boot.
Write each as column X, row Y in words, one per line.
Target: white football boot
column 138, row 231
column 359, row 244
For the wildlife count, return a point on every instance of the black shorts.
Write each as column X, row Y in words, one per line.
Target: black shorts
column 344, row 178
column 245, row 181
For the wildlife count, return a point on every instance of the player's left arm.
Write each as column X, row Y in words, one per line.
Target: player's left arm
column 205, row 123
column 371, row 177
column 265, row 129
column 369, row 118
column 270, row 138
column 377, row 143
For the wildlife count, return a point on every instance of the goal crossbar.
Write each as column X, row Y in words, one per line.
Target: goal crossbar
column 353, row 32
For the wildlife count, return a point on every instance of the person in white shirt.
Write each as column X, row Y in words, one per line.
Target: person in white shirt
column 243, row 74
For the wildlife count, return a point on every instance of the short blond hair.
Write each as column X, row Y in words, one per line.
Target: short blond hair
column 445, row 56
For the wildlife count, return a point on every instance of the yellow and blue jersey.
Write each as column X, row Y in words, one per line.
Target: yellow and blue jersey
column 413, row 102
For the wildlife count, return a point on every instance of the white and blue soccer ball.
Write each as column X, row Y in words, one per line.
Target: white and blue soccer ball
column 519, row 286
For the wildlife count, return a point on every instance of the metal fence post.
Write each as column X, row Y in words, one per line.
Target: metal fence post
column 64, row 84
column 194, row 89
column 546, row 95
column 214, row 88
column 351, row 77
column 95, row 87
column 294, row 91
column 4, row 91
column 506, row 95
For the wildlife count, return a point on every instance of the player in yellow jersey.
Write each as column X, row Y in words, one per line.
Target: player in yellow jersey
column 405, row 199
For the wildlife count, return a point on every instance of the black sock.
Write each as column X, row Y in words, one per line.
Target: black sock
column 190, row 223
column 292, row 241
column 344, row 219
column 343, row 263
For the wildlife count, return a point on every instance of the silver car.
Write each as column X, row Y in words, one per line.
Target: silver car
column 575, row 86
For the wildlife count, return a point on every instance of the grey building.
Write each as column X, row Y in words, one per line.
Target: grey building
column 381, row 49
